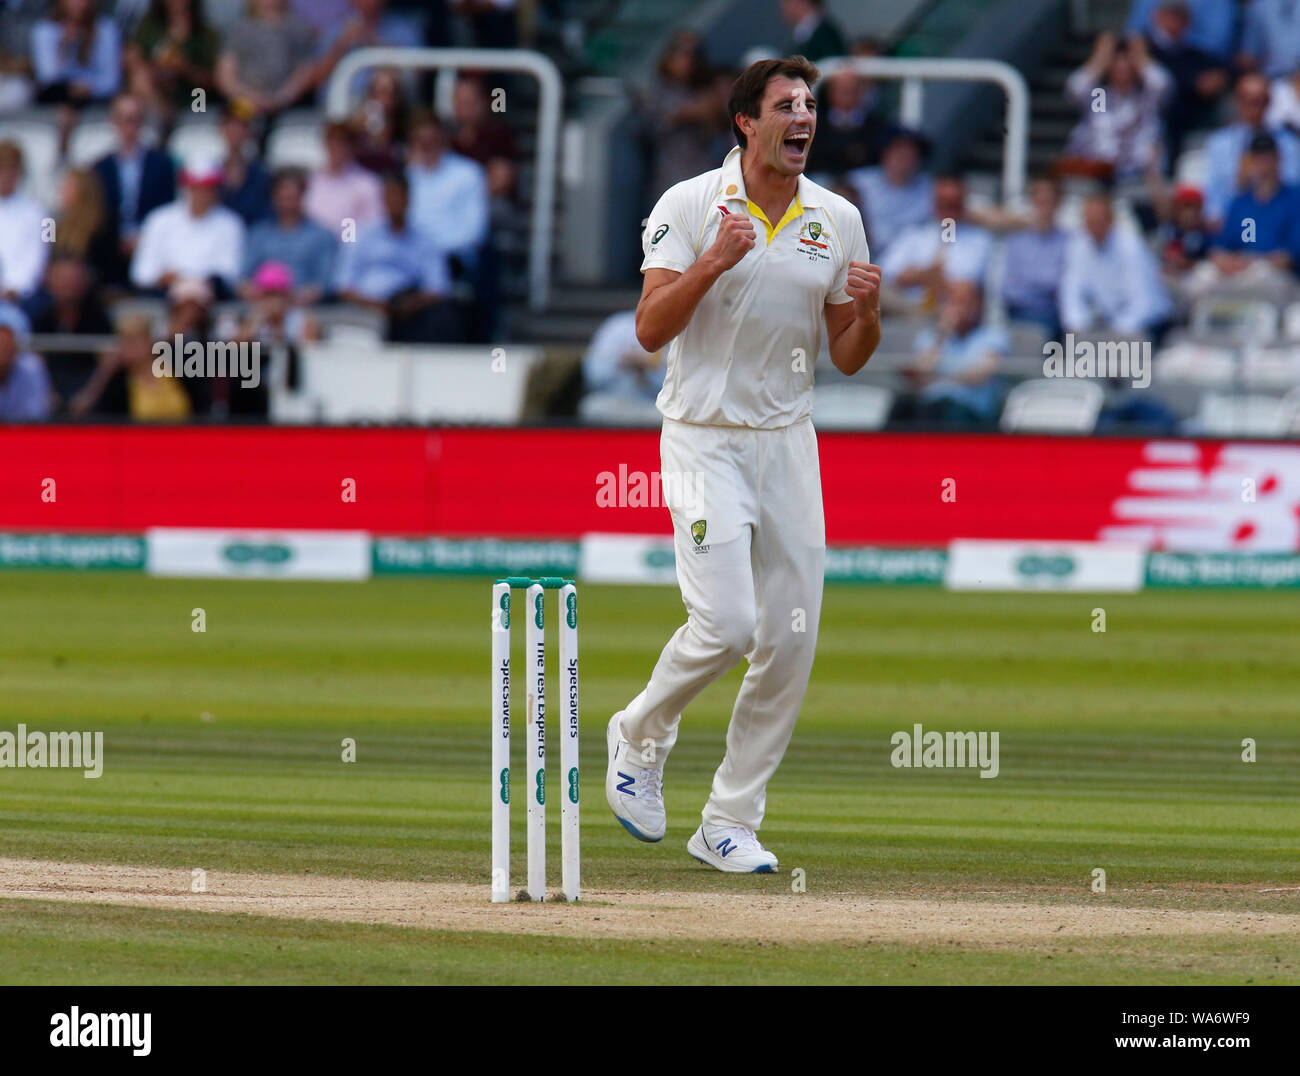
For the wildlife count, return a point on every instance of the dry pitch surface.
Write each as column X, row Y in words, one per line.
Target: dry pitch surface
column 997, row 919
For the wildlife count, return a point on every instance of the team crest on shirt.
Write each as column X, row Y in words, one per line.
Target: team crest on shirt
column 809, row 236
column 698, row 530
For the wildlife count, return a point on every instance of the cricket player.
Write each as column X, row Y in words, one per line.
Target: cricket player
column 742, row 267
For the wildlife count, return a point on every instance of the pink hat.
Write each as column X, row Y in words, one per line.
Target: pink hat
column 273, row 276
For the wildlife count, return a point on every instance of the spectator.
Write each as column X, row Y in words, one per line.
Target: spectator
column 135, row 180
column 490, row 23
column 1111, row 280
column 1258, row 247
column 245, row 182
column 306, row 249
column 266, row 62
column 279, row 327
column 1284, row 107
column 84, row 228
column 24, row 384
column 1199, row 78
column 1270, row 38
column 321, row 15
column 1213, row 25
column 193, row 237
column 125, row 382
column 449, row 193
column 927, row 256
column 342, row 190
column 369, row 23
column 616, row 368
column 1183, row 238
column 16, row 87
column 956, row 365
column 813, row 33
column 225, row 15
column 395, row 269
column 894, row 195
column 71, row 308
column 1035, row 258
column 849, row 130
column 23, row 250
column 381, row 123
column 1225, row 148
column 1121, row 93
column 678, row 115
column 483, row 137
column 172, row 52
column 76, row 55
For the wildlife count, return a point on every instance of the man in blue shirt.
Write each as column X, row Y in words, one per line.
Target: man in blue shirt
column 24, row 382
column 956, row 366
column 1260, row 239
column 1224, row 148
column 895, row 194
column 1034, row 260
column 1213, row 28
column 1270, row 38
column 397, row 270
column 304, row 246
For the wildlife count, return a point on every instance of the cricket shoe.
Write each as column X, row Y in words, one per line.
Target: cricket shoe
column 634, row 793
column 731, row 848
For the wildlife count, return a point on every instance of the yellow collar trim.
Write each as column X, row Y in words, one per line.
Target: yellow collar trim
column 795, row 210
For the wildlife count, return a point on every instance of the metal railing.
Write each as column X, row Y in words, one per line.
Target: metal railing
column 913, row 72
column 549, row 108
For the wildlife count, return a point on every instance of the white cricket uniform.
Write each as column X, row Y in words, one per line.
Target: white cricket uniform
column 739, row 460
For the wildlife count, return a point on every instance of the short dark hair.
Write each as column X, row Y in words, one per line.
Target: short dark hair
column 748, row 90
column 425, row 117
column 296, row 176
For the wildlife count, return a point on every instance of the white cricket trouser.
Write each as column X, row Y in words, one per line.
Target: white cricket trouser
column 752, row 586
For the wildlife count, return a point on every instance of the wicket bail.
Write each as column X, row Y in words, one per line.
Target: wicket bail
column 535, row 740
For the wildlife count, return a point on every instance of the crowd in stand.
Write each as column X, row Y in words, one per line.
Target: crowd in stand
column 1142, row 247
column 397, row 218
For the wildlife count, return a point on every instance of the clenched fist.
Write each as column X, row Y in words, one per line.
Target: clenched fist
column 864, row 289
column 735, row 240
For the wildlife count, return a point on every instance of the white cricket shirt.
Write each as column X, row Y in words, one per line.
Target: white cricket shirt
column 746, row 356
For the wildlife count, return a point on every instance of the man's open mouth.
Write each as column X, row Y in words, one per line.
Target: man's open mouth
column 798, row 143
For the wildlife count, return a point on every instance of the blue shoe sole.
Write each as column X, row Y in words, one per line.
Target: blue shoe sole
column 636, row 832
column 756, row 870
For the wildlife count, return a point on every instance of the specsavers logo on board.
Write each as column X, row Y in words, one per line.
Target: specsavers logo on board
column 233, row 554
column 1077, row 566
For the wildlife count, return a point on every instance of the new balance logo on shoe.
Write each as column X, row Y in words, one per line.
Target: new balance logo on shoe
column 725, row 847
column 625, row 785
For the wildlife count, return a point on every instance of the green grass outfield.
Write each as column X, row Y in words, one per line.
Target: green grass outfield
column 1119, row 750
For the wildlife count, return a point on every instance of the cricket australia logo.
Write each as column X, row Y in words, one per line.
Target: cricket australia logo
column 810, row 241
column 698, row 530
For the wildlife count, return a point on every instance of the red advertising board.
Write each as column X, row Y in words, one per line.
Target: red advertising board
column 883, row 489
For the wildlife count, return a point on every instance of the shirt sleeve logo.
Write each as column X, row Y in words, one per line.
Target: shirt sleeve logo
column 660, row 232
